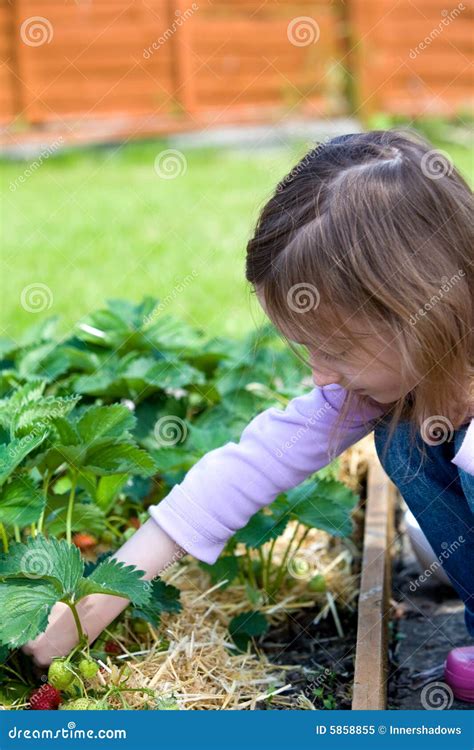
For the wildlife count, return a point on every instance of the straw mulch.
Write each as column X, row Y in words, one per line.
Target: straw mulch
column 200, row 668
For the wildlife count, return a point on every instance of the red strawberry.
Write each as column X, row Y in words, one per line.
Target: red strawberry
column 45, row 698
column 110, row 647
column 84, row 541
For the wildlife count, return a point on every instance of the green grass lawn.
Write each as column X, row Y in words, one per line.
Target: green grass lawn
column 100, row 223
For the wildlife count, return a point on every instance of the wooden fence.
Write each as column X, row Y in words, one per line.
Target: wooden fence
column 225, row 60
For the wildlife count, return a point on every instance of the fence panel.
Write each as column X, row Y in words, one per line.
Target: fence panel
column 413, row 57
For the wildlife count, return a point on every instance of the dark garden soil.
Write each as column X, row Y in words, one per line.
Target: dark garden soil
column 324, row 662
column 427, row 623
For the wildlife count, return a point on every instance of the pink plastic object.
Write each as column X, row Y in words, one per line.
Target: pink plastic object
column 459, row 672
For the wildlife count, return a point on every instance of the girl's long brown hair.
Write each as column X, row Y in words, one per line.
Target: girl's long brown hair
column 377, row 225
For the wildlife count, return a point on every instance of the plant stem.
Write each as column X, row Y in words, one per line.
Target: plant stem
column 80, row 632
column 301, row 540
column 33, row 530
column 268, row 565
column 3, row 537
column 250, row 569
column 6, row 668
column 262, row 567
column 16, row 531
column 45, row 492
column 281, row 569
column 112, row 528
column 70, row 508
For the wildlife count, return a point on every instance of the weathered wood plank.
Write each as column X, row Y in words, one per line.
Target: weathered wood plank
column 370, row 677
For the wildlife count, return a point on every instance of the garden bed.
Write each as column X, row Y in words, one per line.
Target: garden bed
column 274, row 622
column 427, row 623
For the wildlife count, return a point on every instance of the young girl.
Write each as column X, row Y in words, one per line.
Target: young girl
column 364, row 256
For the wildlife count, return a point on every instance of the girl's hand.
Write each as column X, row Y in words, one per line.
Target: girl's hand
column 96, row 611
column 149, row 549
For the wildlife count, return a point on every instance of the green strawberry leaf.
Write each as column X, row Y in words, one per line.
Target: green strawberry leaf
column 202, row 440
column 4, row 654
column 120, row 458
column 261, row 528
column 108, row 489
column 21, row 502
column 105, row 421
column 52, row 561
column 25, row 606
column 225, row 568
column 42, row 412
column 164, row 598
column 65, row 431
column 324, row 504
column 116, row 578
column 13, row 453
column 85, row 517
column 30, row 392
column 246, row 625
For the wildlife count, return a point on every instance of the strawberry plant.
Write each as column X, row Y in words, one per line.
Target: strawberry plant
column 36, row 575
column 81, row 458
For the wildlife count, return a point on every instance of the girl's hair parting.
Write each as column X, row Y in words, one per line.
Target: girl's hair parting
column 377, row 225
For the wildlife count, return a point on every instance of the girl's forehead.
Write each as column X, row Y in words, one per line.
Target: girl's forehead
column 337, row 326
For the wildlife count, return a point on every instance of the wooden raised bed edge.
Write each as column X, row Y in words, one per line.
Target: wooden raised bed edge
column 371, row 661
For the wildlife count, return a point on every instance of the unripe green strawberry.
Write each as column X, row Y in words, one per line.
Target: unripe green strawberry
column 80, row 704
column 84, row 704
column 140, row 627
column 166, row 704
column 107, row 537
column 317, row 583
column 88, row 668
column 60, row 674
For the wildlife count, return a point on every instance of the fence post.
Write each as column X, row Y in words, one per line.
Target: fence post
column 14, row 43
column 361, row 20
column 182, row 57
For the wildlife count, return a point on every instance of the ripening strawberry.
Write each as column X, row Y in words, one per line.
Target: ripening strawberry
column 60, row 674
column 110, row 647
column 45, row 698
column 84, row 541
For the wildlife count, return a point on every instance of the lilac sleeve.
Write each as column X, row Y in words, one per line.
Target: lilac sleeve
column 277, row 450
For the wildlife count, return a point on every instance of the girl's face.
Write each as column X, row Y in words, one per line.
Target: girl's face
column 374, row 374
